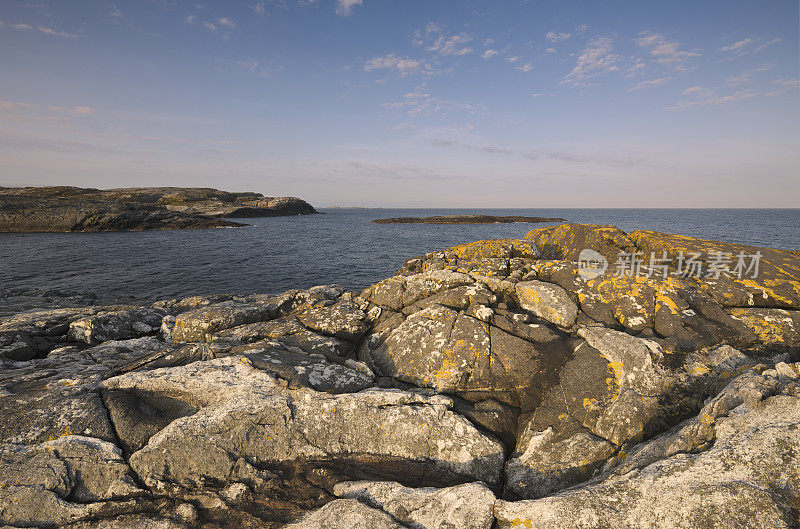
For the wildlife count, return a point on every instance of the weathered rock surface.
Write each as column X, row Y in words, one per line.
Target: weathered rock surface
column 609, row 400
column 468, row 506
column 748, row 477
column 61, row 209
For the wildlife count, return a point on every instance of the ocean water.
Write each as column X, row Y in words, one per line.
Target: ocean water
column 342, row 246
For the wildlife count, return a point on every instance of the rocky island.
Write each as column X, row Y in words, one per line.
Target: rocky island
column 465, row 219
column 73, row 209
column 488, row 385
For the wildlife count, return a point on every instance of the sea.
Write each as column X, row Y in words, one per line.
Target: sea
column 341, row 246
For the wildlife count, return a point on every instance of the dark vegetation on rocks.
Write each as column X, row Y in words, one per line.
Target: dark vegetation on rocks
column 70, row 209
column 486, row 385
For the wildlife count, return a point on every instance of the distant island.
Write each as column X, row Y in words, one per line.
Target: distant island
column 75, row 209
column 464, row 219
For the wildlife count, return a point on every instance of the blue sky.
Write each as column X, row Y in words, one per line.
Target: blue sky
column 504, row 103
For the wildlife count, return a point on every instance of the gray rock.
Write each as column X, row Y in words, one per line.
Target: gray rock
column 548, row 301
column 606, row 395
column 346, row 514
column 366, row 432
column 468, row 506
column 452, row 352
column 748, row 478
column 198, row 325
column 344, row 320
column 61, row 481
column 115, row 325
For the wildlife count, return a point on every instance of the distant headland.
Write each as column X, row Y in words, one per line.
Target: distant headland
column 75, row 209
column 464, row 219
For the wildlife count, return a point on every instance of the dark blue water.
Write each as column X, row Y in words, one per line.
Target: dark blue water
column 277, row 254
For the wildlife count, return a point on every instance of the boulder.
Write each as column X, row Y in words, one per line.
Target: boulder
column 749, row 477
column 240, row 406
column 346, row 514
column 468, row 506
column 116, row 325
column 549, row 302
column 61, row 481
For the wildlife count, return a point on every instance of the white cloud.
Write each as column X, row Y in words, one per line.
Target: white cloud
column 525, row 68
column 737, row 46
column 553, row 36
column 191, row 19
column 664, row 51
column 404, row 65
column 13, row 105
column 649, row 84
column 451, row 45
column 257, row 69
column 434, row 39
column 345, row 7
column 705, row 97
column 259, row 9
column 227, row 22
column 209, row 26
column 550, row 50
column 745, row 47
column 784, row 85
column 597, row 58
column 767, row 44
column 488, row 54
column 41, row 29
column 512, row 59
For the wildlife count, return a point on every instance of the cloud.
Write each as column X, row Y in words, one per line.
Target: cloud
column 767, row 45
column 550, row 50
column 451, row 144
column 190, row 19
column 13, row 105
column 649, row 84
column 537, row 155
column 433, row 38
column 41, row 29
column 256, row 68
column 488, row 54
column 745, row 47
column 701, row 97
column 404, row 65
column 259, row 9
column 553, row 36
column 345, row 7
column 209, row 26
column 30, row 143
column 784, row 85
column 597, row 58
column 227, row 22
column 737, row 46
column 525, row 68
column 665, row 51
column 512, row 59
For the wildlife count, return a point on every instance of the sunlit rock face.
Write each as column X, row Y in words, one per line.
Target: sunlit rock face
column 493, row 384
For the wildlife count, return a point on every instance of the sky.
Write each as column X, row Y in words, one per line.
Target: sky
column 382, row 103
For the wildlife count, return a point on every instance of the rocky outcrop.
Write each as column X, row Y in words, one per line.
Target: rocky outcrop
column 69, row 209
column 492, row 384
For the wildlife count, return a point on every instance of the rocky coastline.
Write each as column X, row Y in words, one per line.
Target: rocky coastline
column 465, row 219
column 73, row 209
column 489, row 385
